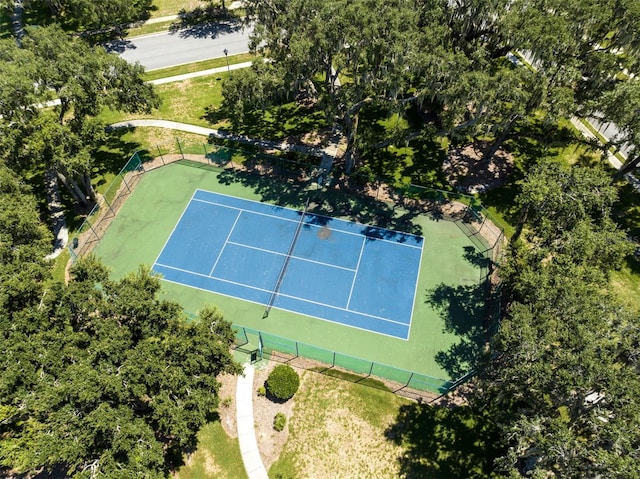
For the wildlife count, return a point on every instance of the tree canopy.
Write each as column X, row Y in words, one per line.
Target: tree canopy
column 79, row 81
column 561, row 380
column 99, row 377
column 455, row 60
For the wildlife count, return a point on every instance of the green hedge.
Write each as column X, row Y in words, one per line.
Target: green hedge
column 283, row 382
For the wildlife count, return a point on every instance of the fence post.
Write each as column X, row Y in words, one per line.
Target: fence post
column 125, row 183
column 94, row 231
column 160, row 153
column 410, row 378
column 180, row 147
column 110, row 209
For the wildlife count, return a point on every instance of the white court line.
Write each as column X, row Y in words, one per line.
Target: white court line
column 355, row 276
column 415, row 293
column 244, row 210
column 290, row 310
column 310, row 301
column 292, row 256
column 225, row 243
column 318, row 226
column 174, row 228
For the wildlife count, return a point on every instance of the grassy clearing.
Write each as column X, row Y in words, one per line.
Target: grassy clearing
column 384, row 436
column 60, row 266
column 217, row 455
column 197, row 66
column 330, row 438
column 625, row 284
column 163, row 8
column 188, row 101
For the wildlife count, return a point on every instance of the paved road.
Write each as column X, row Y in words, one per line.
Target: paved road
column 162, row 50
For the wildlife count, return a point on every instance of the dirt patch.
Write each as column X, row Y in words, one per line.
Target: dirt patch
column 227, row 409
column 270, row 441
column 468, row 171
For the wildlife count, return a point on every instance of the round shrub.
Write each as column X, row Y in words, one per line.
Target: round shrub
column 279, row 422
column 283, row 382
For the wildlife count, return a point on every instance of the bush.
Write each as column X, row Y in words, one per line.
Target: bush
column 262, row 391
column 279, row 422
column 283, row 382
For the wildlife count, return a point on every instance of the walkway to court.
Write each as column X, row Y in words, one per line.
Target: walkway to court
column 328, row 151
column 246, row 431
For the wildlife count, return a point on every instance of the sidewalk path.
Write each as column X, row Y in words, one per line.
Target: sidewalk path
column 210, row 132
column 246, row 431
column 613, row 160
column 202, row 73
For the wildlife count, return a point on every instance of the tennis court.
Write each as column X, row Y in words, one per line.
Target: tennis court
column 331, row 269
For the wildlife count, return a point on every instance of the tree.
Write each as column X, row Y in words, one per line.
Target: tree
column 24, row 242
column 559, row 380
column 78, row 15
column 366, row 41
column 107, row 380
column 85, row 80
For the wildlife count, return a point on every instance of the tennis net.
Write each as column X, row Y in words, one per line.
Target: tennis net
column 285, row 264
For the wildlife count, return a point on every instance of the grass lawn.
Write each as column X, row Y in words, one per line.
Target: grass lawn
column 217, row 455
column 625, row 283
column 197, row 66
column 163, row 8
column 187, row 101
column 385, row 436
column 149, row 28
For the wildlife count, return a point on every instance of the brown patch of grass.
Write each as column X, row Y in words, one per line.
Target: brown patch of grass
column 338, row 430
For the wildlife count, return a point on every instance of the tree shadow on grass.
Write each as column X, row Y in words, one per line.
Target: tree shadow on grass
column 208, row 22
column 275, row 123
column 443, row 443
column 113, row 154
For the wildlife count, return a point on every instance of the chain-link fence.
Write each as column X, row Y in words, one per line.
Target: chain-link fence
column 106, row 207
column 466, row 211
column 307, row 356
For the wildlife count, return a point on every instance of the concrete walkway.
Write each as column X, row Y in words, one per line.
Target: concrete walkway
column 246, row 431
column 202, row 73
column 210, row 132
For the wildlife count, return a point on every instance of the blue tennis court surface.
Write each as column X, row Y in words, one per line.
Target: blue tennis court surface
column 339, row 271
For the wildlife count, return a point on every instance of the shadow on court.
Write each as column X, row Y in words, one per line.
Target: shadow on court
column 462, row 308
column 444, row 443
column 331, row 202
